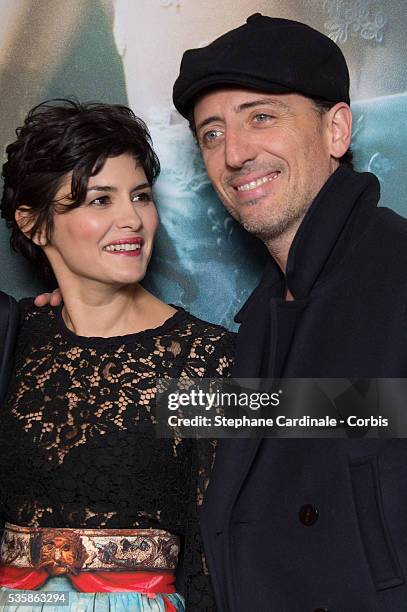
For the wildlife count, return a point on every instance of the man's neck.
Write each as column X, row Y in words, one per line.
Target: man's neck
column 279, row 248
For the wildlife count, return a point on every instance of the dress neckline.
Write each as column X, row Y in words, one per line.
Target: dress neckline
column 89, row 341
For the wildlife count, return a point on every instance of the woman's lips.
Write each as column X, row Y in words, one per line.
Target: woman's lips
column 130, row 247
column 134, row 253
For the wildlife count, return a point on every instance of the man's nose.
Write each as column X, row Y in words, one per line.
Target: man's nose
column 128, row 216
column 238, row 148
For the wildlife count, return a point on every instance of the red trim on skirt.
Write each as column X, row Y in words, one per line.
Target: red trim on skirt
column 150, row 584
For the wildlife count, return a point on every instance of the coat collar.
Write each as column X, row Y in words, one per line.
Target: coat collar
column 323, row 237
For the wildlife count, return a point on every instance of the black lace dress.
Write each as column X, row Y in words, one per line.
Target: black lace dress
column 77, row 437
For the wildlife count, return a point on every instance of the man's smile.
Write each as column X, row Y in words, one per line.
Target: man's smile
column 253, row 184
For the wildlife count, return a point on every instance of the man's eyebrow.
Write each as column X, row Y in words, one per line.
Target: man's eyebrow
column 262, row 102
column 245, row 106
column 207, row 121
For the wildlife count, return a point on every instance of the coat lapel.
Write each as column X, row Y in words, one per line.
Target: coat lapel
column 8, row 330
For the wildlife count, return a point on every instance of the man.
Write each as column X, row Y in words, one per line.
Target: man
column 8, row 328
column 302, row 525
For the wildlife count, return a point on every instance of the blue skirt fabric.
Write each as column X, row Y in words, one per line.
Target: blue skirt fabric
column 89, row 602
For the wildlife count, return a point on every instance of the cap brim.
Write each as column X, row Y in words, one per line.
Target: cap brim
column 188, row 97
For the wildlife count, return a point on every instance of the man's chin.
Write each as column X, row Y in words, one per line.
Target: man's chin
column 265, row 231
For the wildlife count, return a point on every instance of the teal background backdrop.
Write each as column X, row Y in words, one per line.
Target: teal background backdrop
column 115, row 51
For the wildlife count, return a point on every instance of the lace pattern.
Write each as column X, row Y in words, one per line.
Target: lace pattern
column 77, row 440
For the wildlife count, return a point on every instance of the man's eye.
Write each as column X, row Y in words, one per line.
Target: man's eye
column 262, row 117
column 144, row 197
column 211, row 136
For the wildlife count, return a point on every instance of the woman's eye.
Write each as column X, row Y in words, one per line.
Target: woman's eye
column 144, row 196
column 100, row 202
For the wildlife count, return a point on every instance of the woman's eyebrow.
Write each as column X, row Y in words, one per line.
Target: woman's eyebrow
column 142, row 186
column 102, row 188
column 111, row 188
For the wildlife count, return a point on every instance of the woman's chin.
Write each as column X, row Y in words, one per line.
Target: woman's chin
column 125, row 280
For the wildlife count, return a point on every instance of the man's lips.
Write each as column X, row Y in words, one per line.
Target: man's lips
column 257, row 182
column 125, row 246
column 254, row 186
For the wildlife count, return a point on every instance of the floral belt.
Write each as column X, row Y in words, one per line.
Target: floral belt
column 95, row 560
column 70, row 551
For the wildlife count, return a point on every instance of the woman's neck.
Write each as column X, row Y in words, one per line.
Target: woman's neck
column 97, row 311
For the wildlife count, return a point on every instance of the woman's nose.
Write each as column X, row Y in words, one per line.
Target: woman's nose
column 128, row 216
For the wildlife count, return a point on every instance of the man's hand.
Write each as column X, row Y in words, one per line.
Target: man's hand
column 53, row 299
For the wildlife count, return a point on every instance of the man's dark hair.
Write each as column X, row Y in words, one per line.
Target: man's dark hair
column 58, row 137
column 321, row 106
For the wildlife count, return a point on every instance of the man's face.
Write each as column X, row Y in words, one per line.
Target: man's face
column 267, row 156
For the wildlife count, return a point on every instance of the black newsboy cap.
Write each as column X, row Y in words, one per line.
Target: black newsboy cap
column 269, row 54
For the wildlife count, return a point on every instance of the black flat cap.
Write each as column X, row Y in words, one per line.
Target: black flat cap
column 269, row 54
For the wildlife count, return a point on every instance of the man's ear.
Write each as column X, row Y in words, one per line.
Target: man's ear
column 339, row 118
column 25, row 219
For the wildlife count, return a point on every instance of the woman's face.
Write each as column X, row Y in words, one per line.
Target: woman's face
column 109, row 238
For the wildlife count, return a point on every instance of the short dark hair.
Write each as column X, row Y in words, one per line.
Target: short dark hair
column 321, row 106
column 61, row 136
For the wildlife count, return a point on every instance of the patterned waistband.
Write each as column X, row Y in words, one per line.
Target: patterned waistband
column 70, row 551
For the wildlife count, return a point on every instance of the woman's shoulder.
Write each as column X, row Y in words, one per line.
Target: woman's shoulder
column 211, row 347
column 28, row 308
column 200, row 328
column 32, row 316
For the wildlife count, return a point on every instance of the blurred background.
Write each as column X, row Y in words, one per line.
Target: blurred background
column 128, row 51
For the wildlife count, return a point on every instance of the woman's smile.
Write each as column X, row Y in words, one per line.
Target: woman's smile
column 126, row 246
column 109, row 238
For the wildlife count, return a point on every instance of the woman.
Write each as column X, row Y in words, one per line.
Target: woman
column 93, row 502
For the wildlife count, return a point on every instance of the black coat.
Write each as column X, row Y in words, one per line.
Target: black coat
column 8, row 330
column 296, row 525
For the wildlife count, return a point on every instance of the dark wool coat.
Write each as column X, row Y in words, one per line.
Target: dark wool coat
column 8, row 329
column 308, row 525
